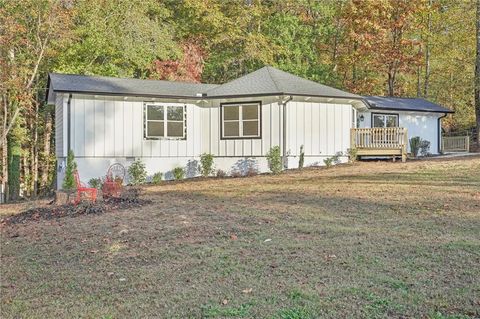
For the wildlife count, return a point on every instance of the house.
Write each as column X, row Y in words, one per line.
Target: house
column 166, row 124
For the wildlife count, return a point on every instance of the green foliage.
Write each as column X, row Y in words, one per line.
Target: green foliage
column 69, row 179
column 274, row 160
column 352, row 155
column 14, row 152
column 415, row 145
column 328, row 162
column 157, row 178
column 178, row 173
column 95, row 183
column 118, row 38
column 221, row 173
column 301, row 160
column 137, row 173
column 206, row 164
column 424, row 147
column 294, row 313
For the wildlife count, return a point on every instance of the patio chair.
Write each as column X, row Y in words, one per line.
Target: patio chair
column 90, row 192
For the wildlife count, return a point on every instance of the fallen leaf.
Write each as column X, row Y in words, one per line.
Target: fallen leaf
column 94, row 251
column 110, row 274
column 122, row 279
column 247, row 291
column 267, row 240
column 233, row 237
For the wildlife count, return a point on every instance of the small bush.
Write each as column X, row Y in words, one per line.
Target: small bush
column 95, row 183
column 415, row 145
column 69, row 179
column 424, row 147
column 178, row 173
column 328, row 162
column 251, row 171
column 137, row 173
column 274, row 160
column 301, row 160
column 221, row 173
column 352, row 155
column 157, row 178
column 206, row 164
column 336, row 157
column 236, row 173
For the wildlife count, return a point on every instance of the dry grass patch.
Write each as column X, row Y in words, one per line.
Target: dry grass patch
column 371, row 240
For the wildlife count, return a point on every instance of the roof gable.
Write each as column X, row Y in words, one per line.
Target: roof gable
column 271, row 81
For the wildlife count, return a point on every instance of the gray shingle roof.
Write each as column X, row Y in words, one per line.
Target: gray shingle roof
column 404, row 104
column 271, row 81
column 265, row 81
column 123, row 86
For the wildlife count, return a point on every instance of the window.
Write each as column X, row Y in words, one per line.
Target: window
column 384, row 120
column 165, row 121
column 241, row 120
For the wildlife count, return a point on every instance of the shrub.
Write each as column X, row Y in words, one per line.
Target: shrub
column 301, row 160
column 424, row 147
column 95, row 183
column 328, row 162
column 69, row 180
column 415, row 145
column 137, row 173
column 236, row 173
column 221, row 173
column 336, row 157
column 178, row 173
column 157, row 178
column 206, row 164
column 352, row 155
column 274, row 160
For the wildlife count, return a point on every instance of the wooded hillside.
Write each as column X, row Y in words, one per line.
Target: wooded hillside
column 423, row 48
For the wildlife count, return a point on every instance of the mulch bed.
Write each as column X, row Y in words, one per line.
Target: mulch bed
column 130, row 198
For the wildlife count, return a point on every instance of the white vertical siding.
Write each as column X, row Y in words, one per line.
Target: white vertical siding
column 59, row 129
column 322, row 128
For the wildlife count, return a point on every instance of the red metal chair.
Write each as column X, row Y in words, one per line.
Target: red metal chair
column 90, row 192
column 112, row 186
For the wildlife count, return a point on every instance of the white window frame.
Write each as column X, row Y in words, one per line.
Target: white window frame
column 165, row 121
column 241, row 120
column 385, row 118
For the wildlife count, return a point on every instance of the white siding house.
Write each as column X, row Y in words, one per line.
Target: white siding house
column 168, row 124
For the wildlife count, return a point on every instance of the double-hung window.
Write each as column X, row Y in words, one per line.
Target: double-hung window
column 384, row 120
column 241, row 120
column 165, row 121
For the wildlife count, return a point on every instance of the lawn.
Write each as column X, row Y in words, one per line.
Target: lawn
column 370, row 240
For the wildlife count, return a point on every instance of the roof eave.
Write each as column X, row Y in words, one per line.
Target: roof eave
column 409, row 110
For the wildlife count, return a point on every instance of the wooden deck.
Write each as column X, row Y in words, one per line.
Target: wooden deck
column 390, row 141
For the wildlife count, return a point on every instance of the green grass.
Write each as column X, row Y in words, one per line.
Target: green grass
column 371, row 240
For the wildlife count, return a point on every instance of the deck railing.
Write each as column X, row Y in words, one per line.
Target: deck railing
column 455, row 143
column 380, row 141
column 379, row 137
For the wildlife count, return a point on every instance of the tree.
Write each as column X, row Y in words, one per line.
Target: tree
column 477, row 76
column 69, row 179
column 118, row 38
column 30, row 33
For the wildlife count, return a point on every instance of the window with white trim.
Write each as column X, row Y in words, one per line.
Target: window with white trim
column 384, row 120
column 241, row 120
column 165, row 121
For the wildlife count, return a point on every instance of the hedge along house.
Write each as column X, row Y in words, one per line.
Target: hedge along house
column 169, row 124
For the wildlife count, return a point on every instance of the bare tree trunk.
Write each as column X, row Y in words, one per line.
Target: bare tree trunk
column 46, row 150
column 34, row 155
column 4, row 149
column 477, row 76
column 427, row 52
